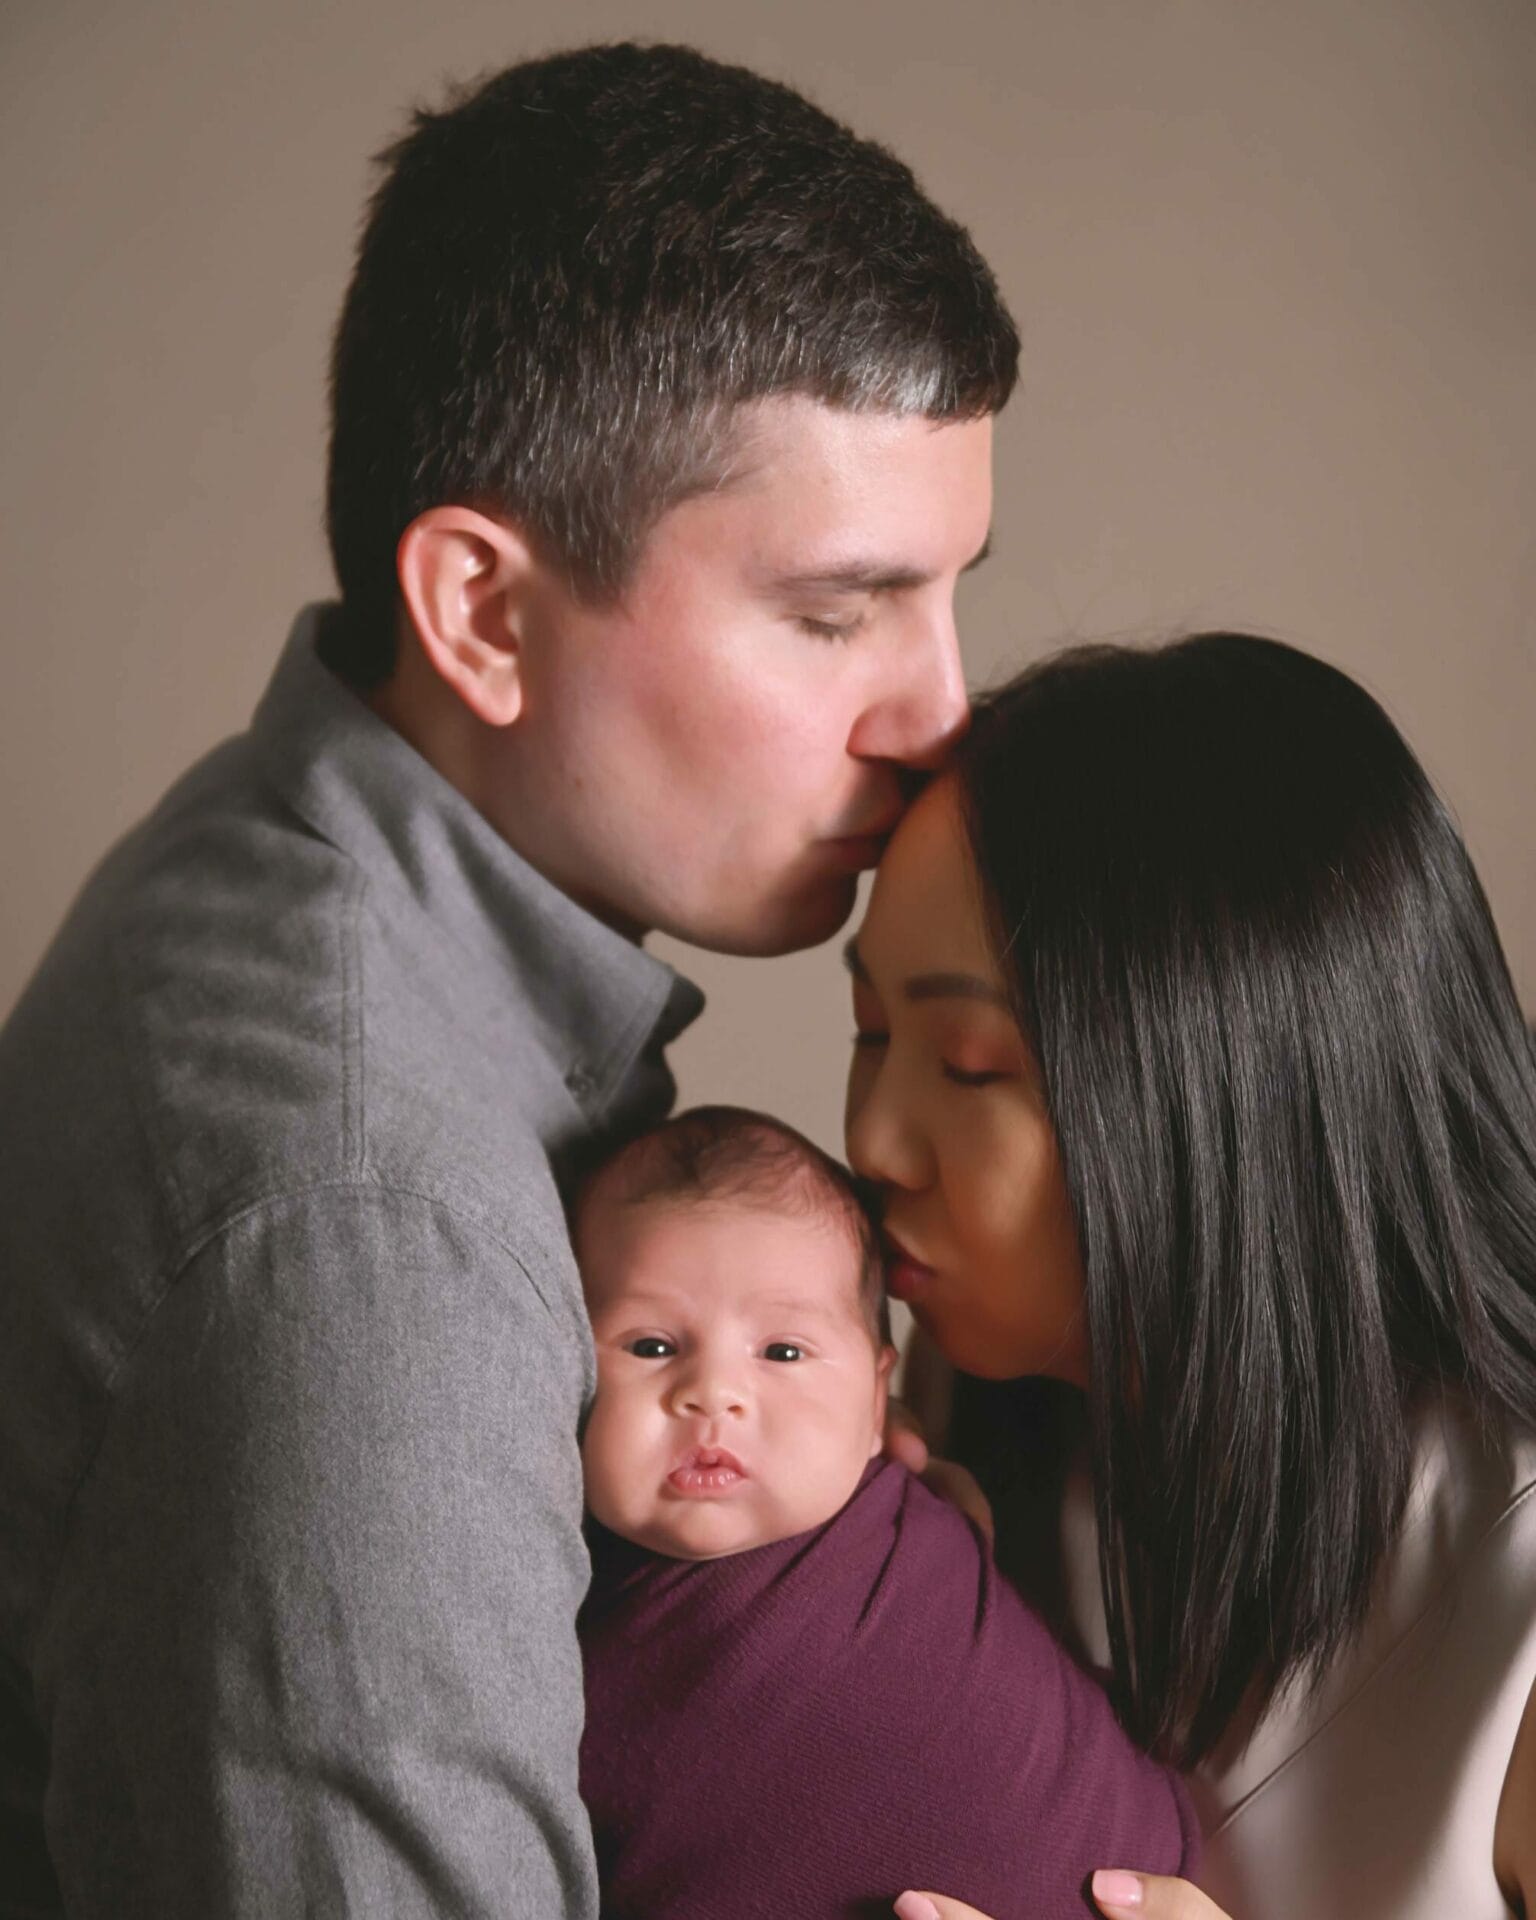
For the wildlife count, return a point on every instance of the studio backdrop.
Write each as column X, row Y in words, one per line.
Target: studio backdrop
column 1274, row 265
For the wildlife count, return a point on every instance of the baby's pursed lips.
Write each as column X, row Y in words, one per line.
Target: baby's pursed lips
column 706, row 1460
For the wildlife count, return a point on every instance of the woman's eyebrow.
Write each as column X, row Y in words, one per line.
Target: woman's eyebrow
column 954, row 986
column 933, row 986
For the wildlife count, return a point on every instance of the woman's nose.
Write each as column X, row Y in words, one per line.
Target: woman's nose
column 883, row 1143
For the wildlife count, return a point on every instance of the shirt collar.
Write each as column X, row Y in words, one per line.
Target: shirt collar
column 598, row 999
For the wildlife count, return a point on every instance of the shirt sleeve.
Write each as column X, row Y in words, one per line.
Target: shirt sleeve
column 312, row 1648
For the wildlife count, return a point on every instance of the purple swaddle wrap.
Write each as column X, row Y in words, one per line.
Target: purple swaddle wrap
column 809, row 1727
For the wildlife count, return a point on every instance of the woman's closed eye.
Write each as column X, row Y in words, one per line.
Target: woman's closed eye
column 971, row 1077
column 867, row 1041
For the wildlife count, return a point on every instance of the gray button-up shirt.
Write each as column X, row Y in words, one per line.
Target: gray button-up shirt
column 292, row 1349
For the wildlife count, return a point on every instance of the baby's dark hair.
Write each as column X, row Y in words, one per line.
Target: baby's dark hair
column 732, row 1154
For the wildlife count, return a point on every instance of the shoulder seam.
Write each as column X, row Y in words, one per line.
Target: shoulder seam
column 353, row 1034
column 200, row 1245
column 161, row 1164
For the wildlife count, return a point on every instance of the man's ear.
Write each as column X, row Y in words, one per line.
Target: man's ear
column 465, row 579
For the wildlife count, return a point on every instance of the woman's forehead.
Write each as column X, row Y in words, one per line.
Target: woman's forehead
column 925, row 912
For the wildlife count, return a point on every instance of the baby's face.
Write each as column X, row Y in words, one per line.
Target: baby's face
column 740, row 1393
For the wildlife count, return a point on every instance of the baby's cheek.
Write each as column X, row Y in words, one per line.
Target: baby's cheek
column 603, row 1453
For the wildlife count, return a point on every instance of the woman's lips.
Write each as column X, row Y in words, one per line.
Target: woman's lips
column 705, row 1472
column 906, row 1278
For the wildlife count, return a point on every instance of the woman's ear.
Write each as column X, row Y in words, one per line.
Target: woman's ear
column 465, row 579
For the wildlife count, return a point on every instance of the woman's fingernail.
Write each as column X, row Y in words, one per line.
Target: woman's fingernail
column 916, row 1906
column 1113, row 1889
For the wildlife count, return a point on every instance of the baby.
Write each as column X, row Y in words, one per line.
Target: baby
column 807, row 1687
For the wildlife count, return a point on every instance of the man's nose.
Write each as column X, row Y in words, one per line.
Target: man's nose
column 923, row 707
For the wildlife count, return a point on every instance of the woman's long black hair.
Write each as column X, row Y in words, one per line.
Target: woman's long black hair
column 1296, row 1106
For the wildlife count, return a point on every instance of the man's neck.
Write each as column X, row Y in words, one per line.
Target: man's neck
column 457, row 745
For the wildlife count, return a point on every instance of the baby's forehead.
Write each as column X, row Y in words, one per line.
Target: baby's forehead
column 725, row 1244
column 820, row 1224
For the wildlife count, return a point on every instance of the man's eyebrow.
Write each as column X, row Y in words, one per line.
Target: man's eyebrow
column 933, row 986
column 865, row 576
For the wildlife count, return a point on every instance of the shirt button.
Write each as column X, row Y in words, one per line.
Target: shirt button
column 579, row 1081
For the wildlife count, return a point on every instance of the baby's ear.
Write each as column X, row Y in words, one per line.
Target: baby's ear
column 883, row 1369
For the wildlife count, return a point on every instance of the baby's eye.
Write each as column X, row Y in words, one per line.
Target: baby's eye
column 783, row 1350
column 651, row 1346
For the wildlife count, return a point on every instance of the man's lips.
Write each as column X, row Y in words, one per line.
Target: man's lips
column 859, row 850
column 880, row 828
column 906, row 1277
column 865, row 843
column 706, row 1471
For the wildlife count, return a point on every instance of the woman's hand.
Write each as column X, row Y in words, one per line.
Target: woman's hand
column 904, row 1443
column 1121, row 1896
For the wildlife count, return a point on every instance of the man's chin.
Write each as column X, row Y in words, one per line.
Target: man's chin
column 807, row 918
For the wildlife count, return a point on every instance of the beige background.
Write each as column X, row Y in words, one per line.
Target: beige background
column 1274, row 260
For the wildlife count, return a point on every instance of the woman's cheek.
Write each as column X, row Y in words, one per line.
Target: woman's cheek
column 986, row 1120
column 1002, row 1155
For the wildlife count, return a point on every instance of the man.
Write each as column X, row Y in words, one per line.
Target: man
column 661, row 417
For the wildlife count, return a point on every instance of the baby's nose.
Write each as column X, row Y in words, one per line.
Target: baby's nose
column 712, row 1396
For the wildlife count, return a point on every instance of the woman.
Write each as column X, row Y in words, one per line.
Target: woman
column 1190, row 1072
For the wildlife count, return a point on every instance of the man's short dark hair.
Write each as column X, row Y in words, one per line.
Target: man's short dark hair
column 733, row 1155
column 572, row 274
